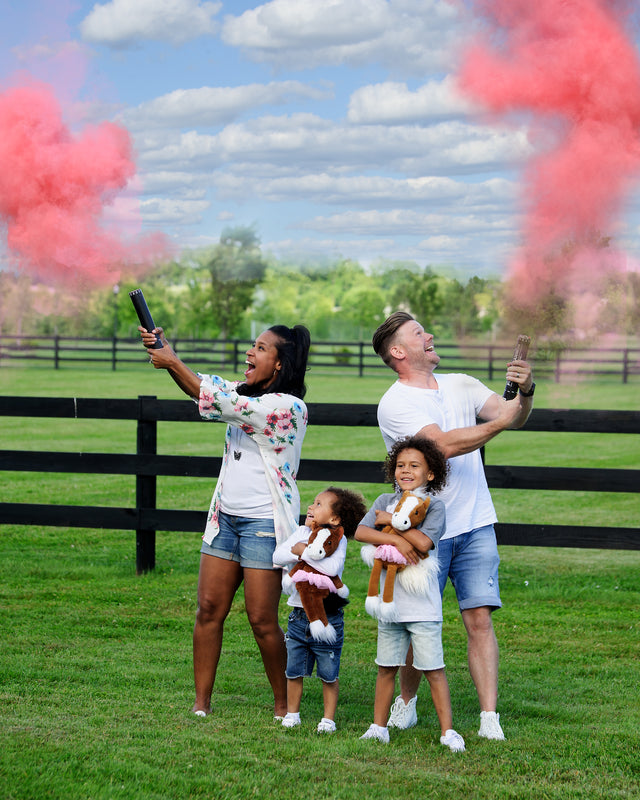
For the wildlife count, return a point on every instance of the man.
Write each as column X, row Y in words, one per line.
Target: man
column 444, row 408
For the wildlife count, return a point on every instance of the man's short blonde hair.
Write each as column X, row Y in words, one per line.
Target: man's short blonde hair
column 385, row 333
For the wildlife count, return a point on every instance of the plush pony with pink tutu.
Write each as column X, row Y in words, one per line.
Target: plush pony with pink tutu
column 409, row 512
column 312, row 585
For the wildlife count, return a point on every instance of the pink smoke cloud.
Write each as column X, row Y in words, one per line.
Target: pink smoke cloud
column 54, row 187
column 572, row 66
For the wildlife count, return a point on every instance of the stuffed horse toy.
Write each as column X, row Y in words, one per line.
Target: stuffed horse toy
column 313, row 585
column 409, row 512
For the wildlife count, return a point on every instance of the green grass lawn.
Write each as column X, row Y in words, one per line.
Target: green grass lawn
column 96, row 686
column 95, row 665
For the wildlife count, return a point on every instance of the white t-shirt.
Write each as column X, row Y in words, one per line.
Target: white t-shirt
column 404, row 410
column 245, row 467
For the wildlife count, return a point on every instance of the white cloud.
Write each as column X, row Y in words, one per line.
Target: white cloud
column 403, row 221
column 209, row 106
column 411, row 35
column 366, row 191
column 392, row 103
column 173, row 211
column 175, row 181
column 122, row 23
column 304, row 143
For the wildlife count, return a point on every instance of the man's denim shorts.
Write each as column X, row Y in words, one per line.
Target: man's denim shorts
column 250, row 542
column 471, row 561
column 303, row 651
column 394, row 639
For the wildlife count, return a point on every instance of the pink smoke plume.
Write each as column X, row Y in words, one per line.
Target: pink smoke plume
column 573, row 67
column 54, row 187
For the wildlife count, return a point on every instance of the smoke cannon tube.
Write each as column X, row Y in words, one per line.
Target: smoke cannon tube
column 144, row 315
column 520, row 354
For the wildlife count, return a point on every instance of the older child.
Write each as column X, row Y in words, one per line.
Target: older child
column 332, row 507
column 417, row 465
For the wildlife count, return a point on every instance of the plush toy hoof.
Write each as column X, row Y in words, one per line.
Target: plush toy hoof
column 321, row 632
column 372, row 606
column 343, row 592
column 387, row 612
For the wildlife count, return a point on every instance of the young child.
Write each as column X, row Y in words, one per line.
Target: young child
column 332, row 507
column 417, row 465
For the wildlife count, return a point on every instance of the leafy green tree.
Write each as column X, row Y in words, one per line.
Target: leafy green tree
column 235, row 267
column 411, row 288
column 364, row 307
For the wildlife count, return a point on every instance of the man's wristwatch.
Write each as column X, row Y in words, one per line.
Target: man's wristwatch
column 530, row 392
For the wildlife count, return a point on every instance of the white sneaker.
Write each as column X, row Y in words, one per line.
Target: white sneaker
column 490, row 725
column 377, row 732
column 326, row 726
column 453, row 741
column 403, row 715
column 291, row 720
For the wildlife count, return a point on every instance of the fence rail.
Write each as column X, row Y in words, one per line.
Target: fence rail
column 358, row 358
column 147, row 465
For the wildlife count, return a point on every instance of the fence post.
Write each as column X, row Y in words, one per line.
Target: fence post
column 490, row 362
column 361, row 360
column 625, row 365
column 114, row 353
column 147, row 444
column 56, row 351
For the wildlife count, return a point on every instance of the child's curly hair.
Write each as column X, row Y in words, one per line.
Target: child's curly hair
column 349, row 507
column 433, row 455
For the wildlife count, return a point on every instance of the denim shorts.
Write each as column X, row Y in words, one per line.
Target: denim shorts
column 250, row 542
column 394, row 639
column 471, row 561
column 303, row 651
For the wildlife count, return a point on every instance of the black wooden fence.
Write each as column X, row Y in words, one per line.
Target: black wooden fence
column 484, row 361
column 146, row 464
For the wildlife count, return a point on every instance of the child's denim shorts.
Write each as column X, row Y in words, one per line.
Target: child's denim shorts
column 303, row 651
column 248, row 541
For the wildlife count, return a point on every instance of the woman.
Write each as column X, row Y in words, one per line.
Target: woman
column 256, row 503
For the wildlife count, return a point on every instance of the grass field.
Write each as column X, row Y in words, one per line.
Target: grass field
column 96, row 686
column 95, row 665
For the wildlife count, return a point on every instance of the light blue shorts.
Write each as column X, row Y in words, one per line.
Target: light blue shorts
column 250, row 542
column 394, row 639
column 471, row 561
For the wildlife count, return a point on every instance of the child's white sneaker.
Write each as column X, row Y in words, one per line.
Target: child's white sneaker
column 291, row 720
column 453, row 741
column 403, row 715
column 377, row 732
column 490, row 725
column 326, row 726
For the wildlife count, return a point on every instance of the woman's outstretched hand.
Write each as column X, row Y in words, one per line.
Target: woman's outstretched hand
column 165, row 358
column 162, row 357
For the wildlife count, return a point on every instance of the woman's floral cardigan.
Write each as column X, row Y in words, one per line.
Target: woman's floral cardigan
column 277, row 423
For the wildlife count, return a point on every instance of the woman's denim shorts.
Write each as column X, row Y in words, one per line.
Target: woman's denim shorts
column 250, row 542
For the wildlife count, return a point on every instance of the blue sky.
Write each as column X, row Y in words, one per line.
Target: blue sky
column 334, row 126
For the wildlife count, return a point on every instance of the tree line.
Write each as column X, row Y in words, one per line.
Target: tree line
column 233, row 290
